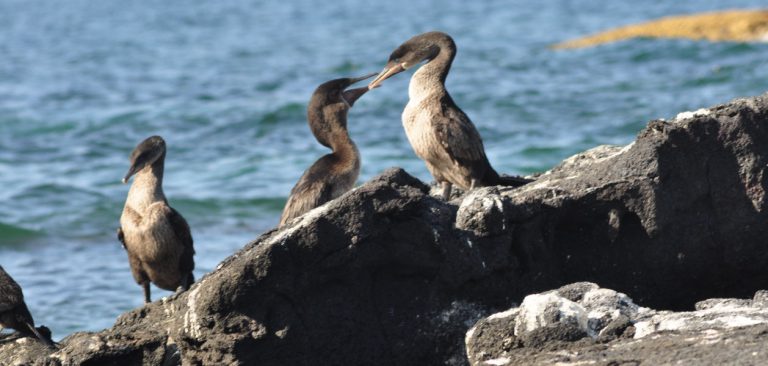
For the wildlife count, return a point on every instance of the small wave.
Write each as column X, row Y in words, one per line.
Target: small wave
column 286, row 112
column 717, row 78
column 541, row 151
column 346, row 67
column 125, row 117
column 10, row 233
column 236, row 207
column 269, row 86
column 58, row 192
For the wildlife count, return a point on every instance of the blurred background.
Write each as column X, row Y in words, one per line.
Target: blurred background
column 226, row 84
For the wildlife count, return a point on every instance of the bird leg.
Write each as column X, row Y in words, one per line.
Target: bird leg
column 473, row 184
column 186, row 282
column 146, row 292
column 446, row 190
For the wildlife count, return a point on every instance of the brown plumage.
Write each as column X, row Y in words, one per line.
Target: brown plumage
column 333, row 174
column 155, row 236
column 13, row 310
column 438, row 130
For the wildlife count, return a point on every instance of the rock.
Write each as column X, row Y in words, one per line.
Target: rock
column 551, row 321
column 388, row 274
column 709, row 314
column 615, row 331
column 22, row 351
column 482, row 212
column 548, row 317
column 730, row 25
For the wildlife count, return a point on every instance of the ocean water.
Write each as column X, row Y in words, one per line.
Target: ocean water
column 226, row 84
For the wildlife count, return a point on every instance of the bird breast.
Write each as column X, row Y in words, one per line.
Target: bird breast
column 425, row 91
column 417, row 122
column 150, row 236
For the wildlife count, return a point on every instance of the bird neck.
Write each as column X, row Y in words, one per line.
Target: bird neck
column 147, row 187
column 344, row 148
column 430, row 78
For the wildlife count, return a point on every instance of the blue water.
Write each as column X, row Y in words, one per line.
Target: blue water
column 226, row 82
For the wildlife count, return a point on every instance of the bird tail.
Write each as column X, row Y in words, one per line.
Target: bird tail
column 46, row 340
column 513, row 181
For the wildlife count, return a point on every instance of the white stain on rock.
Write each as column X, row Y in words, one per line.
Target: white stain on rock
column 542, row 310
column 191, row 322
column 691, row 114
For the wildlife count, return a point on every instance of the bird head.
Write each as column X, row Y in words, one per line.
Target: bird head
column 145, row 154
column 422, row 47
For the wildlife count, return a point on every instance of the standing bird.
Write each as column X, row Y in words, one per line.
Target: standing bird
column 156, row 237
column 13, row 311
column 438, row 130
column 333, row 174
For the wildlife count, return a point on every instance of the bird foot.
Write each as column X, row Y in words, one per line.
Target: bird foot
column 447, row 190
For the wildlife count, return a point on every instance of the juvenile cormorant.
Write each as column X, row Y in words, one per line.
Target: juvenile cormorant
column 438, row 130
column 156, row 237
column 13, row 310
column 333, row 174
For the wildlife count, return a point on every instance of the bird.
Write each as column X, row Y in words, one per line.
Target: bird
column 14, row 312
column 155, row 236
column 440, row 133
column 336, row 173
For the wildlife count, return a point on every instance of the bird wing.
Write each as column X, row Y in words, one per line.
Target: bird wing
column 133, row 217
column 459, row 137
column 121, row 237
column 184, row 235
column 10, row 292
column 4, row 306
column 309, row 192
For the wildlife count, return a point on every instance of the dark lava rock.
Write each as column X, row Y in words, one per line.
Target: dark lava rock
column 388, row 274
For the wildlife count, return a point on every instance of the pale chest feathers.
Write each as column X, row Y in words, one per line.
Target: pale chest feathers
column 423, row 108
column 418, row 121
column 145, row 191
column 146, row 228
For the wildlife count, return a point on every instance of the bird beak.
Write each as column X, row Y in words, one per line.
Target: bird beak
column 130, row 173
column 354, row 80
column 352, row 95
column 386, row 74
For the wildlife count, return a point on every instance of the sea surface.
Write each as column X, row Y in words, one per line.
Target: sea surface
column 226, row 84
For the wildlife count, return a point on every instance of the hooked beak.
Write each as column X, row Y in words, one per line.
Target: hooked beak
column 351, row 95
column 386, row 74
column 130, row 173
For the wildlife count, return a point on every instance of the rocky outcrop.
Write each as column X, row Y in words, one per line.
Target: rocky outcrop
column 389, row 274
column 582, row 323
column 731, row 25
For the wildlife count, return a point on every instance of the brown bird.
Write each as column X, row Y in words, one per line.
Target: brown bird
column 333, row 174
column 156, row 237
column 14, row 312
column 438, row 130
